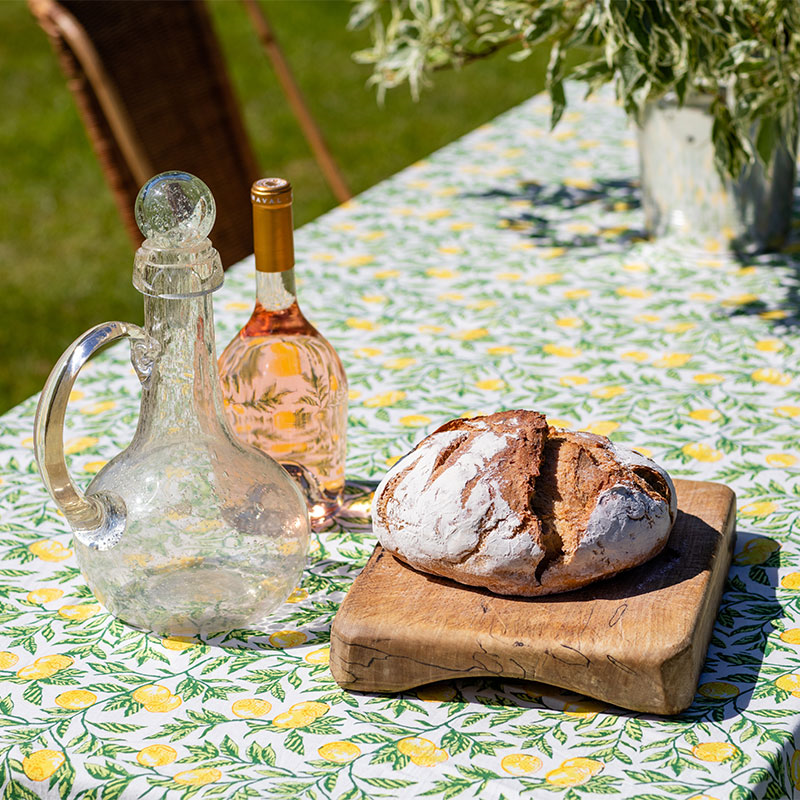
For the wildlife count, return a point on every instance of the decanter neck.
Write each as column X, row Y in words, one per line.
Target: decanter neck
column 181, row 398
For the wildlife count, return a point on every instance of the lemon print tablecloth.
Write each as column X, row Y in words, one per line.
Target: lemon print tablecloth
column 507, row 270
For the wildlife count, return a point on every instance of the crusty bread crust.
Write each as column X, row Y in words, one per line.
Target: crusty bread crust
column 506, row 503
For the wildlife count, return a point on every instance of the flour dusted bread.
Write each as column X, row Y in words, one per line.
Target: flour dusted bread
column 510, row 504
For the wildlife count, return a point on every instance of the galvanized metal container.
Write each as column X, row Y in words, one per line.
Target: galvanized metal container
column 684, row 195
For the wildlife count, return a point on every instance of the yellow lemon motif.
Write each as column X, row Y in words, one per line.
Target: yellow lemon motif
column 769, row 345
column 702, row 297
column 76, row 445
column 520, row 764
column 44, row 667
column 758, row 509
column 561, row 350
column 300, row 714
column 608, row 392
column 671, row 360
column 568, row 776
column 298, row 595
column 569, row 322
column 780, row 459
column 251, row 707
column 701, row 452
column 384, row 399
column 367, row 352
column 756, row 551
column 470, row 335
column 437, row 693
column 791, row 581
column 773, row 376
column 179, row 643
column 786, row 411
column 573, row 380
column 282, row 639
column 50, row 550
column 601, row 428
column 555, row 422
column 422, row 752
column 386, row 273
column 789, row 683
column 392, row 460
column 198, row 777
column 501, row 350
column 461, row 226
column 339, row 752
column 714, row 751
column 357, row 261
column 441, row 273
column 414, row 420
column 490, row 385
column 99, row 408
column 373, row 298
column 591, row 765
column 718, row 690
column 79, row 612
column 76, row 699
column 545, row 279
column 77, row 394
column 680, row 327
column 321, row 656
column 508, row 276
column 648, row 319
column 156, row 698
column 740, row 300
column 93, row 467
column 776, row 314
column 415, row 746
column 705, row 414
column 708, row 378
column 576, row 294
column 635, row 355
column 791, row 636
column 585, row 709
column 360, row 324
column 7, row 659
column 156, row 755
column 237, row 305
column 439, row 213
column 634, row 292
column 41, row 764
column 45, row 595
column 399, row 363
column 645, row 451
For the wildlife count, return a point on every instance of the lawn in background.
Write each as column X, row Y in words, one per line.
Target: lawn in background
column 65, row 260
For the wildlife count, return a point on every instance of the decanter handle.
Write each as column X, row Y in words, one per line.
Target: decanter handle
column 98, row 520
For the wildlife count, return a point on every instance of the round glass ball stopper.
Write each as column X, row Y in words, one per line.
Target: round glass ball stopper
column 175, row 209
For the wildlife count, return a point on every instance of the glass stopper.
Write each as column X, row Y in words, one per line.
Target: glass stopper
column 175, row 209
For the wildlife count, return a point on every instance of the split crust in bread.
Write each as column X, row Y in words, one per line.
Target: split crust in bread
column 507, row 503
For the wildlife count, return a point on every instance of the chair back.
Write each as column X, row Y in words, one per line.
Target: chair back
column 154, row 94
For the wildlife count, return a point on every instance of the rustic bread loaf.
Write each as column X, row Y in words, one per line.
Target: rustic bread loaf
column 507, row 503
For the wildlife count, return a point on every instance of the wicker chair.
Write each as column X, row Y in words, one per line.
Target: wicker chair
column 152, row 89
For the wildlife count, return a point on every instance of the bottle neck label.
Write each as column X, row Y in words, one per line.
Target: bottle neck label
column 273, row 237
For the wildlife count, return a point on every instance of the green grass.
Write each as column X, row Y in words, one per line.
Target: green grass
column 65, row 259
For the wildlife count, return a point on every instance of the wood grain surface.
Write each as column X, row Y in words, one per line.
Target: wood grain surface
column 637, row 640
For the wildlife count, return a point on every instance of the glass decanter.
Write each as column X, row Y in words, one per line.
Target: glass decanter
column 188, row 530
column 283, row 385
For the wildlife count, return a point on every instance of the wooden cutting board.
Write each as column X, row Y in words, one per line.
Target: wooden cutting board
column 637, row 640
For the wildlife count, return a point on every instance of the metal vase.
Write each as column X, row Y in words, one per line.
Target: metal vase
column 684, row 195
